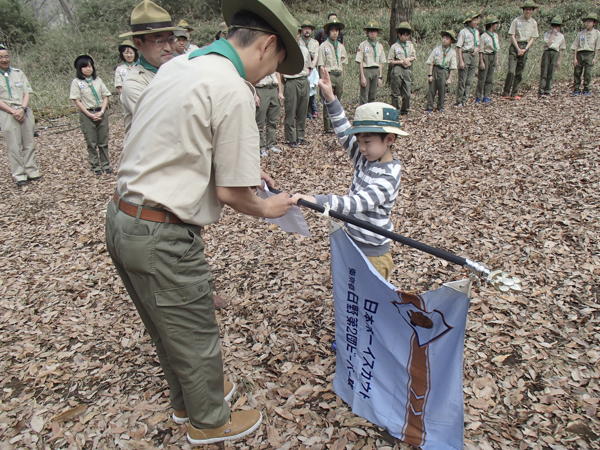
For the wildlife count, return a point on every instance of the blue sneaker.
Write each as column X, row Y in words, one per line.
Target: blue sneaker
column 429, row 111
column 486, row 99
column 587, row 94
column 576, row 93
column 477, row 100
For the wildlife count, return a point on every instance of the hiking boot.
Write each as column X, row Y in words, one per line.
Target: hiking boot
column 97, row 172
column 109, row 170
column 181, row 416
column 240, row 424
column 21, row 183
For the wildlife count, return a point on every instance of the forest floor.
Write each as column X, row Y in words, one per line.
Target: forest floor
column 514, row 185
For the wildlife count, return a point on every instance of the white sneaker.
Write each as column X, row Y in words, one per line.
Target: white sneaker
column 275, row 150
column 263, row 152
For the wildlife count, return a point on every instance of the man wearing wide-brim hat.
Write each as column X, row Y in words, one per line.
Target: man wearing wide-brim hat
column 193, row 147
column 554, row 45
column 523, row 31
column 312, row 45
column 188, row 30
column 370, row 57
column 152, row 34
column 467, row 47
column 400, row 59
column 586, row 46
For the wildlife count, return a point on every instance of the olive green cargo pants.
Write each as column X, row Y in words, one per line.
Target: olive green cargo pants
column 268, row 112
column 400, row 84
column 96, row 137
column 584, row 65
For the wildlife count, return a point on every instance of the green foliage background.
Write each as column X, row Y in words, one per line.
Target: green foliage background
column 46, row 53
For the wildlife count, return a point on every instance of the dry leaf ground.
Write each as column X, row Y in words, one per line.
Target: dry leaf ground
column 513, row 185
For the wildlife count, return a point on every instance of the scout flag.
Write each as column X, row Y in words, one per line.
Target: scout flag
column 399, row 357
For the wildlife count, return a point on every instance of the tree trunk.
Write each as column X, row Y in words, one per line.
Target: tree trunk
column 402, row 11
column 69, row 16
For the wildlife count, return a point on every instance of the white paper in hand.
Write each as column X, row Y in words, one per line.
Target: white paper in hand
column 292, row 221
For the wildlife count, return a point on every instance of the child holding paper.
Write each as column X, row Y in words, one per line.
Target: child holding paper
column 376, row 180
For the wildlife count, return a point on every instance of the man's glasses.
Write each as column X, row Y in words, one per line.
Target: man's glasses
column 169, row 40
column 4, row 58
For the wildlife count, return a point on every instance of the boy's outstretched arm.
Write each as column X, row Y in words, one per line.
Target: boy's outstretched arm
column 325, row 85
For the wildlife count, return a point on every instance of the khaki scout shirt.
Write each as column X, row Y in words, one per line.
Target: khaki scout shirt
column 399, row 53
column 307, row 65
column 587, row 41
column 523, row 30
column 121, row 73
column 439, row 58
column 81, row 90
column 467, row 40
column 487, row 43
column 558, row 43
column 269, row 80
column 133, row 86
column 327, row 56
column 370, row 56
column 194, row 130
column 312, row 47
column 19, row 86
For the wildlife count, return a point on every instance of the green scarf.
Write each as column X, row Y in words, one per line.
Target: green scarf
column 306, row 41
column 146, row 65
column 90, row 83
column 474, row 33
column 335, row 46
column 374, row 47
column 403, row 48
column 224, row 48
column 7, row 83
column 445, row 52
column 493, row 40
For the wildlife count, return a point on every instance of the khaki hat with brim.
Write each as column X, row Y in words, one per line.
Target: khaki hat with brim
column 307, row 23
column 376, row 117
column 280, row 19
column 450, row 33
column 183, row 24
column 81, row 57
column 332, row 22
column 180, row 32
column 591, row 16
column 223, row 27
column 556, row 20
column 404, row 26
column 470, row 16
column 490, row 19
column 148, row 17
column 126, row 43
column 372, row 25
column 529, row 4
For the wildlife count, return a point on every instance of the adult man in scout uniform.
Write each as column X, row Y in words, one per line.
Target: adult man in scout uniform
column 269, row 94
column 400, row 58
column 312, row 45
column 296, row 101
column 523, row 31
column 370, row 58
column 189, row 48
column 192, row 148
column 17, row 122
column 152, row 32
column 586, row 46
column 332, row 56
column 468, row 58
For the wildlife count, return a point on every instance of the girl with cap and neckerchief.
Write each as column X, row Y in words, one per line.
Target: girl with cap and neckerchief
column 129, row 55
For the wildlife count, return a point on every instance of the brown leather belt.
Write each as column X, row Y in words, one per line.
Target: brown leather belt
column 151, row 215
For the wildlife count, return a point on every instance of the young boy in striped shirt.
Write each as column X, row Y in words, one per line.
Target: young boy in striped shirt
column 376, row 179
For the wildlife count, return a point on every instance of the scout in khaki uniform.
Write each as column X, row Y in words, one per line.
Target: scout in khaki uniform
column 489, row 58
column 129, row 55
column 91, row 98
column 370, row 58
column 181, row 43
column 296, row 101
column 269, row 94
column 152, row 32
column 193, row 147
column 468, row 57
column 554, row 44
column 312, row 45
column 586, row 46
column 17, row 122
column 400, row 58
column 189, row 47
column 332, row 56
column 523, row 31
column 441, row 62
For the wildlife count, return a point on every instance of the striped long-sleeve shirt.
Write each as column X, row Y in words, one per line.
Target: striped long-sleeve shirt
column 374, row 189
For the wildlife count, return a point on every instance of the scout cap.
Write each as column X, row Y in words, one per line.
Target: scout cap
column 180, row 32
column 450, row 33
column 2, row 47
column 183, row 24
column 529, row 4
column 556, row 21
column 126, row 43
column 491, row 19
column 307, row 23
column 372, row 25
column 591, row 16
column 148, row 17
column 280, row 19
column 471, row 15
column 334, row 21
column 223, row 27
column 81, row 57
column 404, row 26
column 376, row 117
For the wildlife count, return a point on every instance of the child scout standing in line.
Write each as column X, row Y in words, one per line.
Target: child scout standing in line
column 91, row 97
column 468, row 58
column 489, row 58
column 400, row 58
column 129, row 55
column 269, row 92
column 441, row 62
column 523, row 31
column 376, row 179
column 370, row 58
column 312, row 45
column 586, row 46
column 554, row 44
column 332, row 56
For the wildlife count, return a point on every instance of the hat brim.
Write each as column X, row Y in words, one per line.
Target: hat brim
column 529, row 6
column 468, row 19
column 122, row 47
column 83, row 56
column 399, row 29
column 364, row 129
column 445, row 33
column 308, row 26
column 294, row 60
column 149, row 31
column 590, row 18
column 329, row 25
column 493, row 22
column 372, row 29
